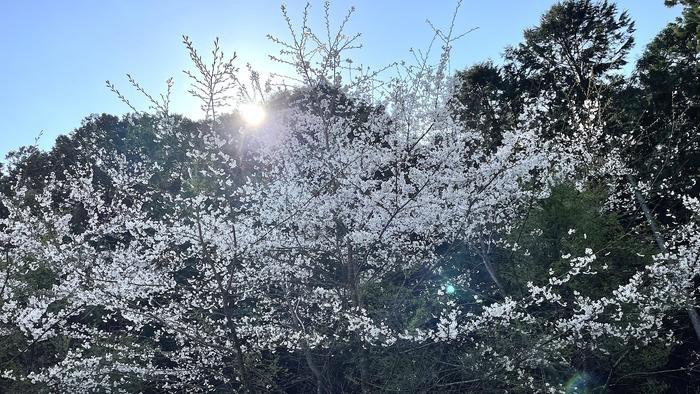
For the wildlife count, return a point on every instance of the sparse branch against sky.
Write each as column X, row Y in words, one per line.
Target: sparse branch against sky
column 57, row 55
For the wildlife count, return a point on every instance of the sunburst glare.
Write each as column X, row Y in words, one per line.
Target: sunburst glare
column 252, row 114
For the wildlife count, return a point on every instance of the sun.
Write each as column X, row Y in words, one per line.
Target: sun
column 252, row 114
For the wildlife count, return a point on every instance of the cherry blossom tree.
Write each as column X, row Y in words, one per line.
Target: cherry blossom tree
column 279, row 236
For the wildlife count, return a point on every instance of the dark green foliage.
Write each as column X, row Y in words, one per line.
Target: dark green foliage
column 570, row 58
column 567, row 223
column 663, row 119
column 486, row 102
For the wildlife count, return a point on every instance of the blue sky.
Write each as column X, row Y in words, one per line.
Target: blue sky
column 56, row 55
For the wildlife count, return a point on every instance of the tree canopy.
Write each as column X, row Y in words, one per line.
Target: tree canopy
column 529, row 225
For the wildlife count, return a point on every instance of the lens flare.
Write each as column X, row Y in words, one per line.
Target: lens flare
column 579, row 383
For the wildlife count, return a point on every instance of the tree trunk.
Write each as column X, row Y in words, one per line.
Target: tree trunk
column 492, row 273
column 227, row 302
column 483, row 252
column 314, row 368
column 692, row 313
column 237, row 345
column 352, row 282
